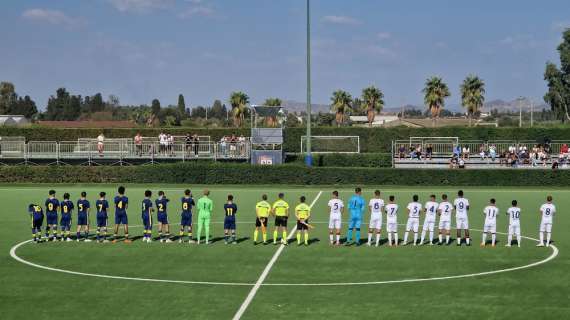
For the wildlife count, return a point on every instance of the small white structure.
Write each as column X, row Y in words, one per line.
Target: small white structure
column 379, row 120
column 13, row 120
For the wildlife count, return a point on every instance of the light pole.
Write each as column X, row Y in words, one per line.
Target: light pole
column 308, row 156
column 520, row 111
column 531, row 113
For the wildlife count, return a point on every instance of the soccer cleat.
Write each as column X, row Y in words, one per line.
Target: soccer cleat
column 105, row 241
column 482, row 245
column 235, row 242
column 508, row 245
column 540, row 245
column 519, row 245
column 87, row 240
column 368, row 244
column 431, row 243
column 207, row 242
column 114, row 241
column 68, row 240
column 168, row 241
column 127, row 241
column 191, row 241
column 226, row 242
column 337, row 243
column 77, row 240
column 180, row 241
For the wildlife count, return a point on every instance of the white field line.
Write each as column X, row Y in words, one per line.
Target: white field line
column 265, row 272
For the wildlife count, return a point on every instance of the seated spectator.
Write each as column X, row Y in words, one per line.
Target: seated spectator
column 564, row 150
column 453, row 162
column 466, row 151
column 457, row 151
column 100, row 143
column 493, row 152
column 482, row 152
column 402, row 152
column 429, row 152
column 461, row 163
column 419, row 152
column 138, row 144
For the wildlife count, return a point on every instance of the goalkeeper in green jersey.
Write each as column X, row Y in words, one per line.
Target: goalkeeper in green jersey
column 205, row 207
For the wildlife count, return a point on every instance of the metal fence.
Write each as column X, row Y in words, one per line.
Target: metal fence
column 123, row 150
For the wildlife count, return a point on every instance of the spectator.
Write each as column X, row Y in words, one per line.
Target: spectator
column 138, row 144
column 453, row 162
column 461, row 163
column 429, row 151
column 170, row 144
column 162, row 143
column 457, row 151
column 100, row 143
column 188, row 142
column 493, row 152
column 402, row 152
column 196, row 141
column 466, row 152
column 482, row 152
column 564, row 150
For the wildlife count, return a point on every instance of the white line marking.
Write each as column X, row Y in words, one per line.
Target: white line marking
column 265, row 272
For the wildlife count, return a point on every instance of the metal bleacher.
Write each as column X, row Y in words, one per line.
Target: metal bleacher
column 443, row 152
column 15, row 150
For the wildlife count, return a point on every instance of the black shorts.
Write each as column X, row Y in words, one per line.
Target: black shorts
column 301, row 226
column 281, row 221
column 259, row 220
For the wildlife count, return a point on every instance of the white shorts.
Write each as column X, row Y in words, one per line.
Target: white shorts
column 392, row 226
column 413, row 224
column 515, row 228
column 444, row 225
column 490, row 227
column 546, row 226
column 462, row 223
column 376, row 223
column 335, row 222
column 429, row 225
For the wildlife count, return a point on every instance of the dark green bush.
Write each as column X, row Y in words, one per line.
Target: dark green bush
column 220, row 173
column 366, row 160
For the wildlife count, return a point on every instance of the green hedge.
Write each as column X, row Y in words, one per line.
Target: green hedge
column 363, row 160
column 374, row 140
column 287, row 174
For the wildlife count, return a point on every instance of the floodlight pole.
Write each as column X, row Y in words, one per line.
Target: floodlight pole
column 308, row 156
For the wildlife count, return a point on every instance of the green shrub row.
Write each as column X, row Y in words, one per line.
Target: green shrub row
column 373, row 140
column 220, row 173
column 362, row 160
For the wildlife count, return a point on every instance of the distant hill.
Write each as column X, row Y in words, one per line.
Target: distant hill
column 512, row 106
column 298, row 107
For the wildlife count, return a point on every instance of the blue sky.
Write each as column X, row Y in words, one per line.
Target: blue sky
column 204, row 49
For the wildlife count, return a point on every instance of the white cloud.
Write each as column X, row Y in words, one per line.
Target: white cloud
column 196, row 11
column 560, row 26
column 345, row 20
column 54, row 17
column 519, row 41
column 383, row 35
column 140, row 6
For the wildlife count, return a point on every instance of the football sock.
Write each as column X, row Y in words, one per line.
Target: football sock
column 415, row 237
column 431, row 236
column 406, row 237
column 331, row 238
column 369, row 238
column 298, row 238
column 493, row 238
column 390, row 238
column 349, row 235
column 275, row 236
column 396, row 238
column 509, row 239
column 519, row 239
column 255, row 235
column 207, row 227
column 47, row 231
column 422, row 238
column 306, row 238
column 338, row 238
column 78, row 235
column 484, row 238
column 86, row 234
column 458, row 240
column 548, row 238
column 284, row 239
column 447, row 239
column 199, row 231
column 264, row 236
column 357, row 237
column 377, row 238
column 189, row 235
column 541, row 236
column 468, row 240
column 98, row 234
column 440, row 238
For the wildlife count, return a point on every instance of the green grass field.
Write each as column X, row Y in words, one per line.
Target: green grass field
column 298, row 284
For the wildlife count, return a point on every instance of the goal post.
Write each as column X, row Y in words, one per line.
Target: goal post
column 331, row 144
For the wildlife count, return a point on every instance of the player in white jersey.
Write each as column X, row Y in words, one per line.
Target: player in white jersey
column 336, row 210
column 461, row 206
column 547, row 211
column 430, row 210
column 392, row 221
column 375, row 207
column 514, row 214
column 413, row 224
column 491, row 211
column 445, row 209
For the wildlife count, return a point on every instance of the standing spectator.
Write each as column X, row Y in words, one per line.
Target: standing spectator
column 482, row 153
column 429, row 151
column 100, row 143
column 188, row 141
column 493, row 152
column 242, row 145
column 162, row 143
column 196, row 144
column 170, row 141
column 138, row 144
column 466, row 152
column 457, row 151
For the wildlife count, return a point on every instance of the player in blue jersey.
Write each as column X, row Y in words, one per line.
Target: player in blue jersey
column 83, row 208
column 356, row 206
column 147, row 216
column 37, row 217
column 230, row 209
column 102, row 205
column 121, row 206
column 162, row 217
column 65, row 222
column 52, row 205
column 186, row 216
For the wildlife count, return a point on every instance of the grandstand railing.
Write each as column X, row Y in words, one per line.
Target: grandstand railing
column 123, row 150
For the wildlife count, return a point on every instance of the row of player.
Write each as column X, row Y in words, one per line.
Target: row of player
column 280, row 210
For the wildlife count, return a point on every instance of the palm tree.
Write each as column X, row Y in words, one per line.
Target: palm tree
column 472, row 95
column 341, row 104
column 238, row 101
column 373, row 101
column 273, row 102
column 435, row 92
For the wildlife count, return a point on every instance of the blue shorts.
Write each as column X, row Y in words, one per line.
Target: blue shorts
column 186, row 220
column 37, row 223
column 82, row 219
column 230, row 223
column 147, row 221
column 354, row 222
column 101, row 222
column 121, row 218
column 65, row 222
column 51, row 218
column 162, row 218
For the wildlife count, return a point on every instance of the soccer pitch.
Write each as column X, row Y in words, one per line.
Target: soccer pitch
column 172, row 281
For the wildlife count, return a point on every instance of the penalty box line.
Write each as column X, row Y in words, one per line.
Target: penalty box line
column 268, row 267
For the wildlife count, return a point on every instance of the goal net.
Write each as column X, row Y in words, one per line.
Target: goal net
column 332, row 144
